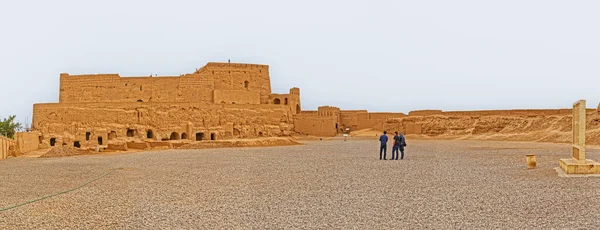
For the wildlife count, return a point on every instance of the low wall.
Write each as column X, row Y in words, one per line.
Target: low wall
column 424, row 112
column 315, row 125
column 138, row 145
column 155, row 144
column 28, row 141
column 120, row 147
column 7, row 147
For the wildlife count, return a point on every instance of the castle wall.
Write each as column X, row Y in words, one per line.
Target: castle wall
column 315, row 125
column 236, row 76
column 88, row 122
column 228, row 78
column 237, row 97
column 27, row 141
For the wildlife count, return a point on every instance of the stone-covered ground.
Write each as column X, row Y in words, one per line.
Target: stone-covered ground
column 323, row 185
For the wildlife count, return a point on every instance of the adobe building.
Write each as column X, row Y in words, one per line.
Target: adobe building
column 217, row 101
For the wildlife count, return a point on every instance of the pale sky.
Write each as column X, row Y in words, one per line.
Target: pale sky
column 375, row 55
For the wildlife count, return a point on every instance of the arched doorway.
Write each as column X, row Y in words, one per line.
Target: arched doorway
column 184, row 136
column 174, row 136
column 285, row 101
column 149, row 134
column 276, row 101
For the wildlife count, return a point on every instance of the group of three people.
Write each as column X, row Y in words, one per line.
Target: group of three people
column 399, row 144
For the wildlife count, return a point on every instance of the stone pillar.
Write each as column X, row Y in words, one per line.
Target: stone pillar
column 578, row 164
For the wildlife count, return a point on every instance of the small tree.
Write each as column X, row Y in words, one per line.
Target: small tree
column 8, row 127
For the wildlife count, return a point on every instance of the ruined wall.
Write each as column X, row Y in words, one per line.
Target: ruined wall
column 237, row 76
column 7, row 147
column 315, row 125
column 229, row 79
column 424, row 112
column 292, row 100
column 92, row 123
column 28, row 141
column 236, row 97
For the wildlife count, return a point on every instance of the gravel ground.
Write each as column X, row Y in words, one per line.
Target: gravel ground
column 322, row 185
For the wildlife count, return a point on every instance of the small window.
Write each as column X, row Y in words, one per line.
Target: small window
column 40, row 138
column 184, row 136
column 199, row 136
column 125, row 84
column 285, row 101
column 260, row 134
column 52, row 141
column 100, row 140
column 76, row 144
column 140, row 100
column 140, row 88
column 213, row 72
column 213, row 136
column 246, row 83
column 130, row 132
column 87, row 136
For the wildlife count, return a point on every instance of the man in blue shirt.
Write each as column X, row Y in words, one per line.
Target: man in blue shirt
column 383, row 139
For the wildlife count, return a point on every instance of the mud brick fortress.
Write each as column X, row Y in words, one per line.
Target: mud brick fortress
column 232, row 100
column 217, row 101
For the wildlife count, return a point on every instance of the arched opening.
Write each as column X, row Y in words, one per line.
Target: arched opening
column 246, row 83
column 233, row 103
column 52, row 141
column 130, row 133
column 149, row 133
column 174, row 136
column 297, row 108
column 64, row 144
column 222, row 102
column 76, row 144
column 285, row 101
column 213, row 136
column 199, row 136
column 260, row 134
column 276, row 101
column 184, row 136
column 140, row 100
column 100, row 140
column 40, row 138
column 87, row 136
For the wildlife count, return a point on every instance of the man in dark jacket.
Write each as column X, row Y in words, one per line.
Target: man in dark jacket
column 399, row 143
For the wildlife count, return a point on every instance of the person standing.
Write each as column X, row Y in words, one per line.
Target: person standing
column 396, row 146
column 383, row 148
column 399, row 143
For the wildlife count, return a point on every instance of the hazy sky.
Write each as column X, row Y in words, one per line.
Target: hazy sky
column 374, row 55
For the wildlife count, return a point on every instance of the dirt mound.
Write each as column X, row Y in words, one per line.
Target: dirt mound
column 260, row 142
column 64, row 151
